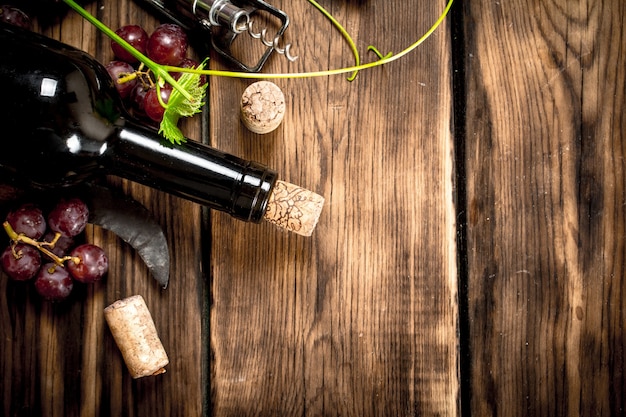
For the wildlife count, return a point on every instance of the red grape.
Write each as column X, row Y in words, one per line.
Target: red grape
column 92, row 266
column 14, row 16
column 134, row 35
column 28, row 220
column 25, row 266
column 137, row 96
column 53, row 282
column 151, row 105
column 69, row 217
column 119, row 69
column 168, row 44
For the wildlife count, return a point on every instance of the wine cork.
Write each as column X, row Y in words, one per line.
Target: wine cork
column 262, row 107
column 294, row 208
column 136, row 336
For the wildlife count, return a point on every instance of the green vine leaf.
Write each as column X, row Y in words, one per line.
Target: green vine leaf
column 179, row 106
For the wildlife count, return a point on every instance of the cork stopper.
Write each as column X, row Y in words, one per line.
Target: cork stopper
column 262, row 107
column 135, row 334
column 293, row 208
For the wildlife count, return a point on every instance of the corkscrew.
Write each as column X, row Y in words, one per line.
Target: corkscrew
column 225, row 20
column 272, row 42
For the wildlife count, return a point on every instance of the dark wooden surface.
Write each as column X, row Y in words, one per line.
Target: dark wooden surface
column 545, row 190
column 469, row 259
column 361, row 318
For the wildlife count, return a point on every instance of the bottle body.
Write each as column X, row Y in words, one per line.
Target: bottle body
column 50, row 128
column 63, row 123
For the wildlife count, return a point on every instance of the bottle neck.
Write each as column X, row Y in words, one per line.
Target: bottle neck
column 192, row 171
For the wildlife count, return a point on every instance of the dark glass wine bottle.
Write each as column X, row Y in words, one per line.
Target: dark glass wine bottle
column 62, row 122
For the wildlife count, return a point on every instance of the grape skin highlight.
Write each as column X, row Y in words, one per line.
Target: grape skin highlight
column 168, row 45
column 29, row 220
column 69, row 217
column 92, row 266
column 134, row 35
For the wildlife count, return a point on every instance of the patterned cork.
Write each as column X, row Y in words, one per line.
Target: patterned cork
column 294, row 208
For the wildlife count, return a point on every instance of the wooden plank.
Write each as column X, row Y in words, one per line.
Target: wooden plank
column 60, row 360
column 545, row 191
column 361, row 318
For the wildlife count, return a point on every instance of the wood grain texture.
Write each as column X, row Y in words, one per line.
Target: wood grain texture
column 61, row 360
column 361, row 318
column 546, row 190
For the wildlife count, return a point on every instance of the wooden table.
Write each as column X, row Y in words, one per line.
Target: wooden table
column 470, row 258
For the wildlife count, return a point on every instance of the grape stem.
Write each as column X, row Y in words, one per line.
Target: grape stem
column 159, row 70
column 21, row 238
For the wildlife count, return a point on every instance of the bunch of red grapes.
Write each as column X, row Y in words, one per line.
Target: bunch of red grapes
column 167, row 45
column 44, row 248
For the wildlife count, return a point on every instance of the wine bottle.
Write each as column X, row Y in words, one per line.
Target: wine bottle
column 63, row 122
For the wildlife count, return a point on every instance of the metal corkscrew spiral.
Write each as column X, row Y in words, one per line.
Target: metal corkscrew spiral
column 273, row 42
column 226, row 20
